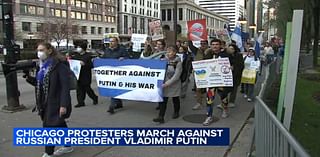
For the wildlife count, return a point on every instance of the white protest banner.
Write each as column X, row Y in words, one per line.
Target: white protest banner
column 107, row 36
column 137, row 40
column 156, row 30
column 213, row 73
column 255, row 65
column 131, row 79
column 75, row 67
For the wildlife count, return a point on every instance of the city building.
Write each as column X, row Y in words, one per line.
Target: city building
column 233, row 9
column 86, row 20
column 134, row 16
column 188, row 10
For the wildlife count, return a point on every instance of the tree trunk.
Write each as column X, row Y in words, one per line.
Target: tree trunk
column 316, row 13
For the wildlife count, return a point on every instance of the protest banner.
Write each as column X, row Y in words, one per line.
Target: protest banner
column 130, row 79
column 156, row 30
column 213, row 73
column 75, row 67
column 224, row 35
column 197, row 31
column 107, row 36
column 137, row 40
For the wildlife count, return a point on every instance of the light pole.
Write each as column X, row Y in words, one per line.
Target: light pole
column 253, row 27
column 175, row 22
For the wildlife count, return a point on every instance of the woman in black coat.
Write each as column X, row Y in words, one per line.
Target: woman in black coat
column 53, row 100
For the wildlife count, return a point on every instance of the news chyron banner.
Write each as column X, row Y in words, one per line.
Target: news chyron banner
column 121, row 136
column 213, row 73
column 197, row 31
column 130, row 79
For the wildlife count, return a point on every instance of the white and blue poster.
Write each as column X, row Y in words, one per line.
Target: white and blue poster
column 75, row 67
column 130, row 79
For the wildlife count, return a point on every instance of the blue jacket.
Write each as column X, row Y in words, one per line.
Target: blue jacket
column 115, row 53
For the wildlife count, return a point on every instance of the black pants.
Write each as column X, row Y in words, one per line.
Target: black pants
column 82, row 90
column 163, row 105
column 50, row 149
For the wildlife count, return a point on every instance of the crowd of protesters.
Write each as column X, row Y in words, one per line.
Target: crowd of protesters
column 54, row 104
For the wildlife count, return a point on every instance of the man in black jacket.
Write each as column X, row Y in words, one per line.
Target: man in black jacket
column 84, row 81
column 115, row 51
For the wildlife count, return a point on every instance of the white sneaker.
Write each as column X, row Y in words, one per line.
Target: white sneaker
column 207, row 121
column 220, row 106
column 224, row 114
column 249, row 99
column 196, row 107
column 63, row 150
column 231, row 105
column 46, row 155
column 245, row 95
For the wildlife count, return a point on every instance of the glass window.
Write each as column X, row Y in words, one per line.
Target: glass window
column 39, row 27
column 99, row 30
column 26, row 26
column 58, row 13
column 51, row 1
column 72, row 2
column 32, row 10
column 106, row 30
column 180, row 14
column 93, row 30
column 84, row 30
column 40, row 11
column 112, row 30
column 169, row 15
column 63, row 1
column 84, row 16
column 91, row 5
column 73, row 14
column 78, row 16
column 84, row 4
column 23, row 8
column 52, row 12
column 91, row 17
column 163, row 15
column 78, row 3
column 57, row 1
column 109, row 18
column 64, row 13
column 99, row 18
column 74, row 29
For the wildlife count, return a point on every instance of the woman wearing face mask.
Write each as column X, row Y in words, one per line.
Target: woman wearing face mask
column 53, row 101
column 85, row 77
column 248, row 60
column 237, row 68
column 171, row 85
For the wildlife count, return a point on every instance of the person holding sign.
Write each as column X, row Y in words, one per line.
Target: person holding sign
column 85, row 77
column 249, row 75
column 171, row 85
column 116, row 52
column 215, row 52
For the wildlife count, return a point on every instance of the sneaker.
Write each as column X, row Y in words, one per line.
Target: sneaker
column 231, row 105
column 159, row 119
column 249, row 99
column 175, row 115
column 158, row 107
column 224, row 114
column 111, row 111
column 95, row 101
column 220, row 106
column 79, row 105
column 245, row 95
column 207, row 121
column 46, row 155
column 63, row 150
column 196, row 107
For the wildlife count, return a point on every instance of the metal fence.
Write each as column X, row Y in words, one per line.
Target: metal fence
column 271, row 138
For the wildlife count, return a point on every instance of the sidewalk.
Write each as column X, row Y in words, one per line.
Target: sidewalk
column 134, row 114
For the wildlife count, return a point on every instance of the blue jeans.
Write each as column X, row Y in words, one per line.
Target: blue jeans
column 249, row 90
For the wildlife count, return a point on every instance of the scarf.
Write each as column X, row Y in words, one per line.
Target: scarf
column 44, row 68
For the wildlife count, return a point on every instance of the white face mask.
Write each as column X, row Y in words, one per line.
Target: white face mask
column 42, row 55
column 78, row 49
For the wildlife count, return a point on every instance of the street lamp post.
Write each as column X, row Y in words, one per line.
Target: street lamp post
column 253, row 27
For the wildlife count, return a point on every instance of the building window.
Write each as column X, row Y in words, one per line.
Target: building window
column 180, row 14
column 125, row 8
column 57, row 1
column 64, row 13
column 99, row 30
column 142, row 25
column 84, row 16
column 51, row 12
column 134, row 25
column 32, row 10
column 26, row 26
column 40, row 11
column 78, row 3
column 106, row 30
column 78, row 15
column 51, row 1
column 125, row 24
column 84, row 30
column 93, row 30
column 163, row 15
column 73, row 14
column 23, row 9
column 169, row 15
column 63, row 2
column 58, row 13
column 39, row 27
column 74, row 29
column 112, row 30
column 84, row 4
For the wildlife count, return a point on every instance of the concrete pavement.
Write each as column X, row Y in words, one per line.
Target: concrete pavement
column 134, row 114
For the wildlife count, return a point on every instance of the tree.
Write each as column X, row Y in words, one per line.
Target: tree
column 58, row 30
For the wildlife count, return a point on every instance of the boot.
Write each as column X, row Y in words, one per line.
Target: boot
column 159, row 119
